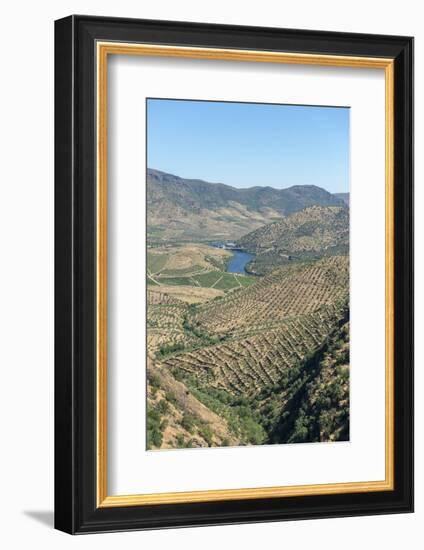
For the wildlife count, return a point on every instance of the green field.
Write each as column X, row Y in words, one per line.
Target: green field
column 156, row 262
column 150, row 281
column 223, row 281
column 205, row 271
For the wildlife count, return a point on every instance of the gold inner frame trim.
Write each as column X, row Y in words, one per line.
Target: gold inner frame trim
column 103, row 50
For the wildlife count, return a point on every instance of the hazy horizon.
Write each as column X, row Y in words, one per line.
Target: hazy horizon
column 247, row 145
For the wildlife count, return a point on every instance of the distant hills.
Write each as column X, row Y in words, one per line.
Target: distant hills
column 344, row 196
column 309, row 234
column 187, row 209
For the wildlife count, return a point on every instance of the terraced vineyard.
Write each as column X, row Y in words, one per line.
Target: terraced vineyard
column 156, row 298
column 165, row 321
column 165, row 328
column 293, row 290
column 246, row 364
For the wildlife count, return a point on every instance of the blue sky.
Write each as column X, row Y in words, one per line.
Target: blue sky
column 248, row 144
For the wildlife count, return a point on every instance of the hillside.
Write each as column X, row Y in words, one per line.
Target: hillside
column 311, row 233
column 177, row 419
column 269, row 362
column 311, row 402
column 343, row 196
column 188, row 209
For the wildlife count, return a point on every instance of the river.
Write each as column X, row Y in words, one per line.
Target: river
column 238, row 262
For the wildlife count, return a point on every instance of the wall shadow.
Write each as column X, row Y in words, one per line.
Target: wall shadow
column 46, row 517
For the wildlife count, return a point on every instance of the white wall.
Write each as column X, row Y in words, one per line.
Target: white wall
column 26, row 274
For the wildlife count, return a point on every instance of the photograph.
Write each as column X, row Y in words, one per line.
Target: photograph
column 247, row 273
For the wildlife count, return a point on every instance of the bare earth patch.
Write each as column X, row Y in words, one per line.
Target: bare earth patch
column 189, row 294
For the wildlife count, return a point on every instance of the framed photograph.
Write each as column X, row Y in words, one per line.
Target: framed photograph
column 234, row 269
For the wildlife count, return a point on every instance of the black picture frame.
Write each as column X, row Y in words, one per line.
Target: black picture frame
column 76, row 510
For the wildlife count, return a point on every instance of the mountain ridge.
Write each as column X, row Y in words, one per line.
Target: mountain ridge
column 181, row 209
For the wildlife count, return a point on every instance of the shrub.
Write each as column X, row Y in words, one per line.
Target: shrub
column 162, row 407
column 178, row 374
column 154, row 438
column 171, row 398
column 170, row 348
column 154, row 380
column 180, row 441
column 188, row 422
column 206, row 432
